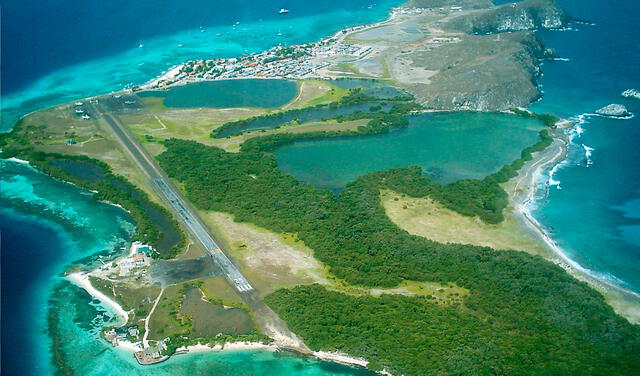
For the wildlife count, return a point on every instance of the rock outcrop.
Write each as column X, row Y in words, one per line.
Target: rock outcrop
column 631, row 93
column 462, row 55
column 524, row 15
column 614, row 110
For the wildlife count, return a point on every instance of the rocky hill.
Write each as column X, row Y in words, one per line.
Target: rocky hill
column 524, row 15
column 482, row 73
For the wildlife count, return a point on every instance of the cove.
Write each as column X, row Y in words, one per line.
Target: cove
column 228, row 93
column 448, row 146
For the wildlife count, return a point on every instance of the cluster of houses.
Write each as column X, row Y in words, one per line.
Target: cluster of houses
column 297, row 61
column 123, row 333
column 151, row 354
column 139, row 257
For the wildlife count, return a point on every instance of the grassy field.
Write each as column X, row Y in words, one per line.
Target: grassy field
column 188, row 123
column 269, row 260
column 424, row 217
column 217, row 288
column 57, row 125
column 345, row 68
column 136, row 299
column 164, row 322
column 209, row 319
column 314, row 92
column 273, row 261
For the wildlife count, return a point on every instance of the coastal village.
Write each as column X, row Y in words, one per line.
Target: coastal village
column 134, row 266
column 292, row 61
column 298, row 61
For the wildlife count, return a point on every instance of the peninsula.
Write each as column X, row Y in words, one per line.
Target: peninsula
column 449, row 55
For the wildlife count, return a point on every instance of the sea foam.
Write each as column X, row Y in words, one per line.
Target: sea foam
column 588, row 152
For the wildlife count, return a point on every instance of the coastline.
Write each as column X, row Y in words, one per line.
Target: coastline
column 341, row 358
column 82, row 280
column 171, row 77
column 327, row 356
column 529, row 179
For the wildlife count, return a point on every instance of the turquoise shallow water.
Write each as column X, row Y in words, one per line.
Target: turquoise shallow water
column 127, row 64
column 594, row 212
column 448, row 146
column 41, row 217
column 48, row 227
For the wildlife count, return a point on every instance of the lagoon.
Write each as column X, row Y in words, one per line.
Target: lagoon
column 448, row 146
column 261, row 93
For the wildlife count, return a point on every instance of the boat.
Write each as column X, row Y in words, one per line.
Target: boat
column 283, row 11
column 140, row 45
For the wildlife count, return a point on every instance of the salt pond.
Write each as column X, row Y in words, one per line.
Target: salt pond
column 448, row 146
column 228, row 93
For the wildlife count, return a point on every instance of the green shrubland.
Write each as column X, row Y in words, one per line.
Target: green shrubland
column 523, row 316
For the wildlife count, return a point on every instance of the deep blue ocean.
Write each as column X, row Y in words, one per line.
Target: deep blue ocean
column 57, row 51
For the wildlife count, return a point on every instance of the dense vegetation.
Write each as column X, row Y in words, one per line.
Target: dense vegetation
column 547, row 119
column 168, row 241
column 524, row 315
column 354, row 97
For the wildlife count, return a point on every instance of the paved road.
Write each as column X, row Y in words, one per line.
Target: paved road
column 173, row 197
column 267, row 320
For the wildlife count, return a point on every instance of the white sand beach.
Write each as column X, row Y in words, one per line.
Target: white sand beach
column 232, row 346
column 82, row 280
column 529, row 179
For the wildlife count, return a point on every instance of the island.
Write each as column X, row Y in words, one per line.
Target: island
column 614, row 110
column 435, row 268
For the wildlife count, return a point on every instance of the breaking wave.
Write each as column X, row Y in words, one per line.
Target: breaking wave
column 588, row 152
